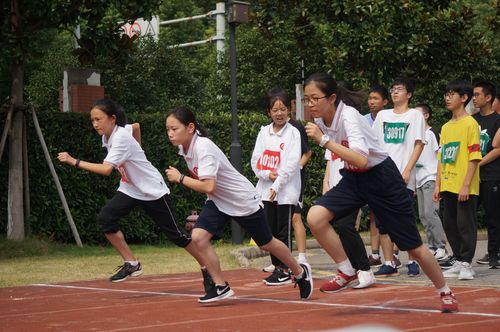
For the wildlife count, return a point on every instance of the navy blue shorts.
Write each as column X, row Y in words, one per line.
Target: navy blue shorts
column 383, row 189
column 213, row 221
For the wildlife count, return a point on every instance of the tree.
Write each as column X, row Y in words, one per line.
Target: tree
column 22, row 23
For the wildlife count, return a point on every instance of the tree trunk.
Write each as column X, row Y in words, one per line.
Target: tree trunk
column 15, row 223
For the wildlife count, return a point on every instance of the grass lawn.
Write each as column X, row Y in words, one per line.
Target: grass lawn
column 43, row 261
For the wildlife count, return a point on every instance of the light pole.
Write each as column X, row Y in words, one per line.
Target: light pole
column 237, row 13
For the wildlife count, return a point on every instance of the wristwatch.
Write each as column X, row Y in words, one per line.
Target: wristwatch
column 324, row 139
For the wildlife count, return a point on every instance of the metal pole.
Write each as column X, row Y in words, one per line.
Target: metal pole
column 220, row 23
column 235, row 151
column 56, row 180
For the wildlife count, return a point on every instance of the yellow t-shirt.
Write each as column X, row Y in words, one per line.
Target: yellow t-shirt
column 459, row 144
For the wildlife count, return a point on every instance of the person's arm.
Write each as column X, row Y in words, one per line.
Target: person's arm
column 136, row 132
column 102, row 169
column 256, row 154
column 348, row 155
column 289, row 165
column 494, row 153
column 326, row 178
column 417, row 151
column 437, row 188
column 463, row 195
column 305, row 158
column 205, row 186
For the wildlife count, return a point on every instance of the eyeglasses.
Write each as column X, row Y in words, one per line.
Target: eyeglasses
column 311, row 101
column 398, row 89
column 449, row 94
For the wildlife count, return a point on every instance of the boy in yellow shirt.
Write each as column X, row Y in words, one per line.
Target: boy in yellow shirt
column 457, row 180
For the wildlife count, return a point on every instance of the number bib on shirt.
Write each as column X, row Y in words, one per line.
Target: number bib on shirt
column 449, row 152
column 395, row 132
column 269, row 161
column 485, row 139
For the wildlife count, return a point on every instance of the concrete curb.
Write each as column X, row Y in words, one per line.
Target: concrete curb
column 244, row 255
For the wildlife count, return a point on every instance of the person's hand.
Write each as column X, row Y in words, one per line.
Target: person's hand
column 314, row 132
column 463, row 194
column 173, row 174
column 436, row 195
column 66, row 158
column 273, row 176
column 272, row 195
column 406, row 176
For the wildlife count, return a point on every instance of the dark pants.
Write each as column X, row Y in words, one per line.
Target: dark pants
column 159, row 210
column 460, row 225
column 352, row 242
column 489, row 197
column 279, row 217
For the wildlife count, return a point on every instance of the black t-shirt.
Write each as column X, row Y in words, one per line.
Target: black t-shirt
column 304, row 143
column 489, row 125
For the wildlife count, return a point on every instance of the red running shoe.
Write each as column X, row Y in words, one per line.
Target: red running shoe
column 338, row 282
column 448, row 303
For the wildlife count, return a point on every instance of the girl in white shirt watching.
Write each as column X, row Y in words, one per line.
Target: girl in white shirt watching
column 230, row 195
column 141, row 185
column 275, row 162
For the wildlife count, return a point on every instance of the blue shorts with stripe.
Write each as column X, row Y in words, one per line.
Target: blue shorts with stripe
column 213, row 221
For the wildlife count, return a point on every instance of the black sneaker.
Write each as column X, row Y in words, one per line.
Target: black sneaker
column 278, row 277
column 494, row 263
column 208, row 283
column 216, row 293
column 448, row 263
column 305, row 282
column 126, row 270
column 484, row 260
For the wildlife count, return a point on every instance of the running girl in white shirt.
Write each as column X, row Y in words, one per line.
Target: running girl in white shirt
column 230, row 195
column 275, row 162
column 369, row 177
column 141, row 185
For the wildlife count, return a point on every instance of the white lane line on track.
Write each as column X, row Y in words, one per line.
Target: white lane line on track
column 256, row 299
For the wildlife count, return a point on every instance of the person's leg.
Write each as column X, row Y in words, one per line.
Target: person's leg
column 450, row 226
column 352, row 242
column 318, row 219
column 490, row 195
column 300, row 235
column 429, row 265
column 430, row 215
column 284, row 221
column 467, row 228
column 108, row 219
column 271, row 213
column 201, row 239
column 374, row 235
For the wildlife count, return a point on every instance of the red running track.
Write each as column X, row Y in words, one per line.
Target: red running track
column 169, row 303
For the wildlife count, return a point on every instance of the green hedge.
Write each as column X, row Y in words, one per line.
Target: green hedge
column 86, row 193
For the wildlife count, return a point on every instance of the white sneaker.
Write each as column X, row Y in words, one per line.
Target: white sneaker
column 302, row 260
column 365, row 278
column 440, row 254
column 454, row 271
column 466, row 273
column 269, row 268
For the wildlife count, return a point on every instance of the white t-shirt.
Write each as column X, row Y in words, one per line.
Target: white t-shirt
column 397, row 134
column 351, row 129
column 278, row 152
column 335, row 165
column 140, row 179
column 427, row 163
column 234, row 195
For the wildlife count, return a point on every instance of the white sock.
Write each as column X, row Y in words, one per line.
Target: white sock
column 375, row 256
column 390, row 263
column 411, row 262
column 347, row 268
column 302, row 256
column 444, row 289
column 133, row 263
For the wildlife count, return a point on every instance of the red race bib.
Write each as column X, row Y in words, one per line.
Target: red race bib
column 269, row 161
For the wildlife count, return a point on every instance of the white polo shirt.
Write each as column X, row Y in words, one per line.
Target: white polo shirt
column 397, row 134
column 140, row 179
column 336, row 164
column 351, row 129
column 234, row 195
column 278, row 152
column 427, row 163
